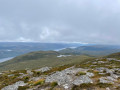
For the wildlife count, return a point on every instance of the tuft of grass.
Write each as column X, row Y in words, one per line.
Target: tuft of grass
column 36, row 73
column 86, row 85
column 83, row 86
column 26, row 79
column 23, row 87
column 80, row 73
column 39, row 82
column 53, row 84
column 104, row 85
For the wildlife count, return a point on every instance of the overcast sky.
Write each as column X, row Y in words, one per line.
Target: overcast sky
column 85, row 21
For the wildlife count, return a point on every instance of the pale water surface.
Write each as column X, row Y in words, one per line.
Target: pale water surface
column 5, row 59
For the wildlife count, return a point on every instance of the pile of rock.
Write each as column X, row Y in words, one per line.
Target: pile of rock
column 106, row 80
column 67, row 77
column 61, row 78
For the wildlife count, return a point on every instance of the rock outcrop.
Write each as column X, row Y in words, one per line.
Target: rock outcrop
column 14, row 86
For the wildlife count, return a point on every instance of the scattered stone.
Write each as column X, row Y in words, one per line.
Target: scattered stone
column 66, row 86
column 35, row 78
column 89, row 74
column 100, row 62
column 1, row 73
column 29, row 72
column 105, row 80
column 63, row 55
column 94, row 62
column 23, row 75
column 59, row 77
column 101, row 69
column 74, row 71
column 96, row 59
column 114, row 76
column 108, row 71
column 107, row 88
column 10, row 75
column 82, row 79
column 111, row 78
column 14, row 86
column 117, row 71
column 44, row 69
column 109, row 59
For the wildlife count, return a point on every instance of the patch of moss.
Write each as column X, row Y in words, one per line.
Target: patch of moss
column 83, row 86
column 26, row 79
column 104, row 85
column 23, row 87
column 39, row 82
column 80, row 73
column 53, row 84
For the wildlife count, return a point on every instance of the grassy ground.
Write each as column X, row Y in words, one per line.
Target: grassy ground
column 52, row 61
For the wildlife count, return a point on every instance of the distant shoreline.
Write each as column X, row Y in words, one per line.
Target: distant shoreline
column 5, row 59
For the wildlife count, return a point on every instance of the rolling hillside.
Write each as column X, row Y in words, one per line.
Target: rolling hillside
column 77, row 73
column 114, row 55
column 39, row 59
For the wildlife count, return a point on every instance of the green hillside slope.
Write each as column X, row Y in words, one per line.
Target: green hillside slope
column 39, row 59
column 114, row 55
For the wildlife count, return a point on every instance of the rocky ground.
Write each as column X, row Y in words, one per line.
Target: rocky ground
column 98, row 74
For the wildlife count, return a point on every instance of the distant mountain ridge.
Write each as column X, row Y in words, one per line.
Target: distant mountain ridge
column 94, row 50
column 13, row 49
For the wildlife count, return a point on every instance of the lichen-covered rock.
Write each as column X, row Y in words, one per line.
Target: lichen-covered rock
column 62, row 78
column 100, row 62
column 43, row 69
column 114, row 76
column 35, row 78
column 29, row 72
column 111, row 59
column 89, row 74
column 101, row 69
column 14, row 86
column 107, row 88
column 59, row 77
column 94, row 62
column 23, row 75
column 111, row 78
column 82, row 79
column 10, row 75
column 73, row 71
column 65, row 78
column 108, row 71
column 105, row 80
column 117, row 71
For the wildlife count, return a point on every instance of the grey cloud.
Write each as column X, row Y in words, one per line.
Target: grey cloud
column 89, row 21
